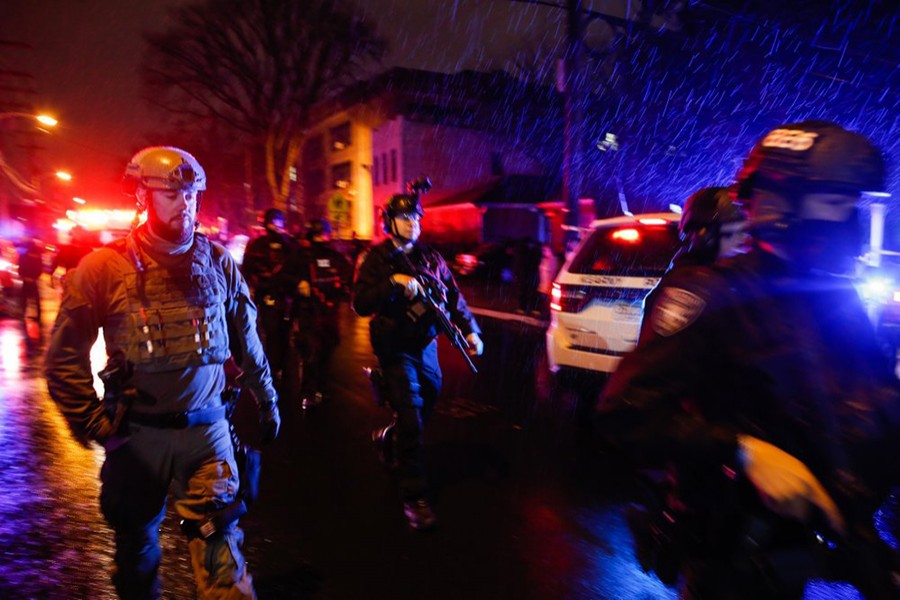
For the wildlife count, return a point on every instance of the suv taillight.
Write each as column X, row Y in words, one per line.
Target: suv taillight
column 567, row 298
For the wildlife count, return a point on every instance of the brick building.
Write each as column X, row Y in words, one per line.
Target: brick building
column 466, row 131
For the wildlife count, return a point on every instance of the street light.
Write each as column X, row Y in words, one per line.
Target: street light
column 42, row 119
column 9, row 171
column 64, row 176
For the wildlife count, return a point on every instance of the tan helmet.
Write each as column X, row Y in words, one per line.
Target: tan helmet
column 164, row 168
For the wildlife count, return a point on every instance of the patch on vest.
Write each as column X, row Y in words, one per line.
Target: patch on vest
column 675, row 310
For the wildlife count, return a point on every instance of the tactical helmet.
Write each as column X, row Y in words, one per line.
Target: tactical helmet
column 400, row 204
column 164, row 168
column 318, row 227
column 812, row 156
column 271, row 215
column 709, row 207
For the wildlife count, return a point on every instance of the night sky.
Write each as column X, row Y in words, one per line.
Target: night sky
column 85, row 54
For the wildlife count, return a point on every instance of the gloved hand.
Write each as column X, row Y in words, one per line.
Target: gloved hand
column 304, row 289
column 411, row 287
column 476, row 346
column 269, row 421
column 785, row 485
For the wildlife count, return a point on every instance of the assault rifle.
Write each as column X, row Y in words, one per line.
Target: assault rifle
column 435, row 292
column 434, row 296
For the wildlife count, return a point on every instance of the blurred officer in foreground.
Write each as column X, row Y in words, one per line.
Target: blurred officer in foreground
column 266, row 267
column 173, row 307
column 393, row 282
column 711, row 227
column 760, row 381
column 323, row 275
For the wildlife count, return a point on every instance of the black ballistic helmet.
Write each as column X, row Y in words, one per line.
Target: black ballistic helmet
column 399, row 204
column 317, row 227
column 271, row 215
column 812, row 156
column 708, row 208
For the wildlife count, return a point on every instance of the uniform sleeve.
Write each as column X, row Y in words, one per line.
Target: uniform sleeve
column 344, row 270
column 460, row 314
column 252, row 264
column 243, row 336
column 372, row 288
column 67, row 364
column 645, row 408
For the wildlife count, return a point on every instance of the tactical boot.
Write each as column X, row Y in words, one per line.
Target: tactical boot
column 419, row 514
column 385, row 443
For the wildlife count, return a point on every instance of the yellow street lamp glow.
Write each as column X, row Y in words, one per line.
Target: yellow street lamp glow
column 64, row 176
column 46, row 120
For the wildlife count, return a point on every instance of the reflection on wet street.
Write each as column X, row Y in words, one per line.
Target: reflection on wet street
column 527, row 509
column 50, row 528
column 54, row 542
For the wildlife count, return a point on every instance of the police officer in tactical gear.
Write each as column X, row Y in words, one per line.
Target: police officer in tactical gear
column 173, row 307
column 389, row 286
column 761, row 379
column 266, row 266
column 324, row 276
column 711, row 226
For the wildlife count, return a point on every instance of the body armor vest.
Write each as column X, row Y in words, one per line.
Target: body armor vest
column 174, row 317
column 325, row 274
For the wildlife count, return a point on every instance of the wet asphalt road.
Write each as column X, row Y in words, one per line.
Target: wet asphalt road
column 526, row 508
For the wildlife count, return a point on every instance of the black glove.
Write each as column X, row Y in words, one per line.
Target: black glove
column 269, row 421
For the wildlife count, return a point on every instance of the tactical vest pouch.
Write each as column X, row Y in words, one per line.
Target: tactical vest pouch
column 175, row 318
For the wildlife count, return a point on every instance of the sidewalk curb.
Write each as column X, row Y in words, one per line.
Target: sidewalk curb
column 505, row 316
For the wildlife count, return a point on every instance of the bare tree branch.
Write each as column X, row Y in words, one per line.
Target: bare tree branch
column 258, row 66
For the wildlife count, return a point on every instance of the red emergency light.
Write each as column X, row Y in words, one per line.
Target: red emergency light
column 630, row 235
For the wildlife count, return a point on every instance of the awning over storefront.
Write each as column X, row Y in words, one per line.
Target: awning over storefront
column 508, row 191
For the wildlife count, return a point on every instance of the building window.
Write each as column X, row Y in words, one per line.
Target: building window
column 375, row 171
column 393, row 165
column 340, row 136
column 314, row 184
column 384, row 168
column 340, row 175
column 313, row 154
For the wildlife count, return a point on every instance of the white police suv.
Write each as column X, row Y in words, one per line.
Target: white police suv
column 597, row 299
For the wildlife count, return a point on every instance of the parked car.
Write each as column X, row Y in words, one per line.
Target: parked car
column 490, row 261
column 596, row 302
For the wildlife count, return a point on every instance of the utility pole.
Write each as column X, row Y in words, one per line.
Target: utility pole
column 571, row 81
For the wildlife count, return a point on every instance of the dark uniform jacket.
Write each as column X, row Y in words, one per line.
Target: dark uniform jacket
column 266, row 266
column 326, row 270
column 398, row 323
column 751, row 347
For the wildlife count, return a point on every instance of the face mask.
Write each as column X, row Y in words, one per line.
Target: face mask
column 830, row 246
